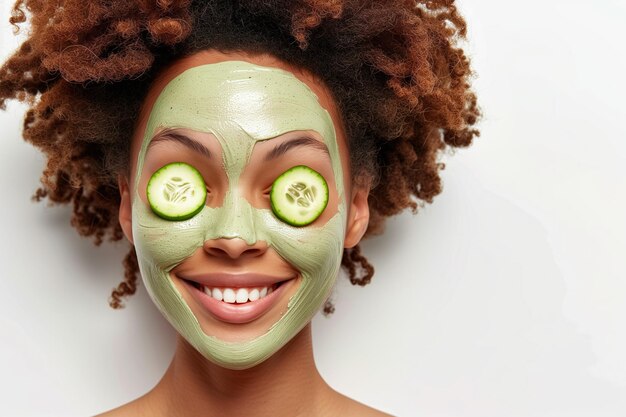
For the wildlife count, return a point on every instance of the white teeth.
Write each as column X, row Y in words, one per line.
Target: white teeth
column 238, row 295
column 242, row 295
column 229, row 295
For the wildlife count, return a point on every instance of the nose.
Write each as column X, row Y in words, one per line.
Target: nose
column 234, row 234
column 233, row 248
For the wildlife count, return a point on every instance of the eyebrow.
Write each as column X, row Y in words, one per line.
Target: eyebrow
column 168, row 135
column 285, row 147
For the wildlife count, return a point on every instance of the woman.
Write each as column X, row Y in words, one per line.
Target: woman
column 350, row 100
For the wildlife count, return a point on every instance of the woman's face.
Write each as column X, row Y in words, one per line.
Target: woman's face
column 241, row 121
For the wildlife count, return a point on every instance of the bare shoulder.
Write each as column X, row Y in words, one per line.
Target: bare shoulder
column 125, row 410
column 362, row 410
column 134, row 408
column 122, row 411
column 354, row 408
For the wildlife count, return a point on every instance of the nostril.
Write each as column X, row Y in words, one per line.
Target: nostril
column 216, row 251
column 253, row 251
column 233, row 248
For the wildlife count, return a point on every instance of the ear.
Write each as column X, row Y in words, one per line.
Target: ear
column 125, row 213
column 358, row 215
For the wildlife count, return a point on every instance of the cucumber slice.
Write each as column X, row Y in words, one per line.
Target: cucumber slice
column 299, row 196
column 176, row 191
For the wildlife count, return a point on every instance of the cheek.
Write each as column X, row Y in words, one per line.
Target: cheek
column 165, row 243
column 314, row 251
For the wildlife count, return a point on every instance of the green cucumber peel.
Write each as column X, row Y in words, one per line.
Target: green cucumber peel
column 299, row 196
column 176, row 191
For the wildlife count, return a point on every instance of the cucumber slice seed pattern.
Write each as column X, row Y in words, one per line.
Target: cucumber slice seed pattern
column 299, row 196
column 176, row 191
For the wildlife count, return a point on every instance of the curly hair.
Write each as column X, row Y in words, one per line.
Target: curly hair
column 394, row 67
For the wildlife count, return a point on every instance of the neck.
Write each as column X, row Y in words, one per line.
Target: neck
column 286, row 384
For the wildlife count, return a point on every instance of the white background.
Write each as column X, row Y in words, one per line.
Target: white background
column 506, row 297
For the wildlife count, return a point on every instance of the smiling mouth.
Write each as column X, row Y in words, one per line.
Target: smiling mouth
column 247, row 298
column 237, row 295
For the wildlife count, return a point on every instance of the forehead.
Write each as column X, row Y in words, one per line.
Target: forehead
column 262, row 102
column 302, row 99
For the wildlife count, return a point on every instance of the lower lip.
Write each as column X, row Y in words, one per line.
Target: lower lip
column 238, row 313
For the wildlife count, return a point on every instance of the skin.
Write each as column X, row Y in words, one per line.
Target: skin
column 288, row 383
column 261, row 118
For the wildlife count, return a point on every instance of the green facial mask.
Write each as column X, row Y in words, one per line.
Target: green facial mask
column 241, row 104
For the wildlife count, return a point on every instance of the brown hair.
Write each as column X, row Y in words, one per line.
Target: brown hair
column 394, row 68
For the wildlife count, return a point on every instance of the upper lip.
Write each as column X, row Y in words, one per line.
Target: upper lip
column 243, row 280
